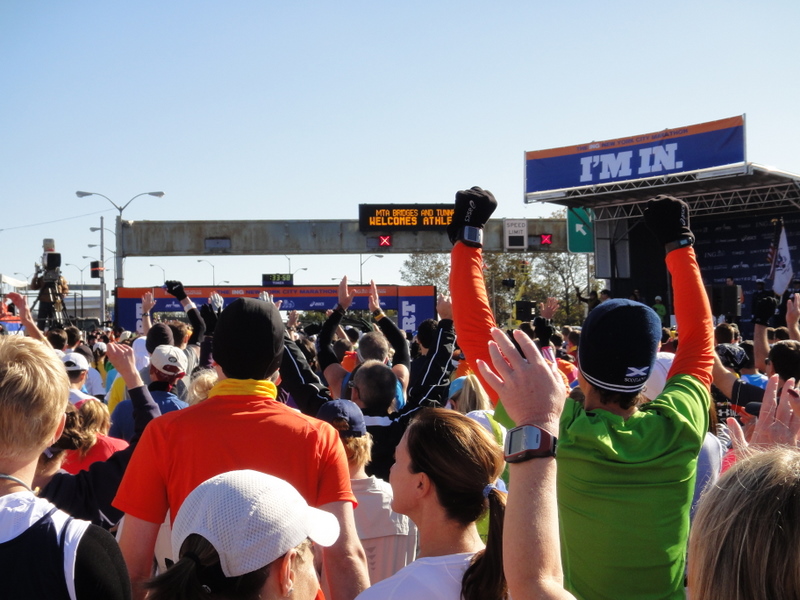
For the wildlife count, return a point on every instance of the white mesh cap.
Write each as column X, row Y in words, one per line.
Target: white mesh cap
column 658, row 375
column 251, row 519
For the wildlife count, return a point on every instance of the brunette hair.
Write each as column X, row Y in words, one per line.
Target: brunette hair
column 463, row 461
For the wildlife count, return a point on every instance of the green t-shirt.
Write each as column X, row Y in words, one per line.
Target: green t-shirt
column 624, row 493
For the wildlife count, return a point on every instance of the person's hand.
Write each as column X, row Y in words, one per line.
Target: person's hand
column 148, row 302
column 216, row 301
column 529, row 389
column 764, row 310
column 294, row 319
column 122, row 357
column 793, row 310
column 473, row 207
column 444, row 306
column 668, row 219
column 175, row 288
column 269, row 298
column 345, row 295
column 778, row 423
column 21, row 302
column 374, row 298
column 548, row 309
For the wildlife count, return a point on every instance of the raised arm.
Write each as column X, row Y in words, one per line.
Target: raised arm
column 333, row 371
column 435, row 385
column 763, row 312
column 148, row 302
column 26, row 318
column 88, row 494
column 668, row 218
column 532, row 395
column 472, row 314
column 793, row 316
column 401, row 361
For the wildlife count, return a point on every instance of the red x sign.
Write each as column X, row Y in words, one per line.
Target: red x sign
column 547, row 239
column 384, row 240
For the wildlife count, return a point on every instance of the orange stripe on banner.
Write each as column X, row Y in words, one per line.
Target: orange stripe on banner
column 644, row 138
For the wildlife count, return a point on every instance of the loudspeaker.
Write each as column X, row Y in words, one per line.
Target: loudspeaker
column 523, row 310
column 730, row 300
column 53, row 261
column 724, row 299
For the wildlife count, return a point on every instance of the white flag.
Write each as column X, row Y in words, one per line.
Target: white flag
column 782, row 266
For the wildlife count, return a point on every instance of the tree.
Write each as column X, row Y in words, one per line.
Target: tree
column 427, row 269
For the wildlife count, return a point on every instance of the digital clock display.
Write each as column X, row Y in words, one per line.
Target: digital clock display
column 268, row 279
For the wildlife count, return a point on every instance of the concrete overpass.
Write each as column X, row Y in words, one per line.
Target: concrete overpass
column 209, row 238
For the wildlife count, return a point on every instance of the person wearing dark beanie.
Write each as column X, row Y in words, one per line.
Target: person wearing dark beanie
column 619, row 341
column 159, row 335
column 626, row 466
column 248, row 339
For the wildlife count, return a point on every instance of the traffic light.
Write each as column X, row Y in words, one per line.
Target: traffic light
column 95, row 269
column 509, row 283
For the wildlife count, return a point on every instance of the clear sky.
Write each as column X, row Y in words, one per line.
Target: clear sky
column 302, row 110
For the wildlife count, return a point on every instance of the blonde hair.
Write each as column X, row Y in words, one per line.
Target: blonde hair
column 357, row 449
column 95, row 417
column 472, row 396
column 745, row 539
column 200, row 385
column 34, row 391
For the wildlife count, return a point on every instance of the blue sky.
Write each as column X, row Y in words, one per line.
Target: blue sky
column 303, row 110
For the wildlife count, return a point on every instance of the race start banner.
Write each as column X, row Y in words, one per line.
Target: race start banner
column 665, row 152
column 413, row 303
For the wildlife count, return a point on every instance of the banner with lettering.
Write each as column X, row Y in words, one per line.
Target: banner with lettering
column 665, row 152
column 413, row 303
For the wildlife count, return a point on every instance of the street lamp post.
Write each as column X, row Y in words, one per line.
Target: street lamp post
column 163, row 272
column 83, row 315
column 102, row 229
column 213, row 270
column 290, row 262
column 297, row 271
column 120, row 279
column 361, row 266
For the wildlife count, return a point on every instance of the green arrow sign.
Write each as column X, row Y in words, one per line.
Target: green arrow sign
column 580, row 230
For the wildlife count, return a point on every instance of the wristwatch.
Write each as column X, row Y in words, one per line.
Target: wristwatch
column 471, row 236
column 529, row 441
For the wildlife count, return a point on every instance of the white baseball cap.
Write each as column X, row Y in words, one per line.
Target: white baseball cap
column 75, row 361
column 251, row 519
column 170, row 360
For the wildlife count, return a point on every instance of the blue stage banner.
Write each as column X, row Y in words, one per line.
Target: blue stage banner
column 413, row 303
column 637, row 157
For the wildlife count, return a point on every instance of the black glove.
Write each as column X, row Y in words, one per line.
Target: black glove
column 209, row 317
column 764, row 310
column 668, row 219
column 542, row 330
column 473, row 208
column 176, row 289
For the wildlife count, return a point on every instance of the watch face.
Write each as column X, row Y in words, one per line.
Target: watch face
column 472, row 234
column 524, row 438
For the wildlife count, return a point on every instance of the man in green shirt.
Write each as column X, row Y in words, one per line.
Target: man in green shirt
column 626, row 469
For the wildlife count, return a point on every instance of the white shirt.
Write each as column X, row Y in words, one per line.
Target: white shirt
column 436, row 577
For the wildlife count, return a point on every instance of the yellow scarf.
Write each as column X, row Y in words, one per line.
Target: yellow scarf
column 244, row 387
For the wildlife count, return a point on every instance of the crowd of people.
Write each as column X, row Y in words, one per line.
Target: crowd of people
column 244, row 457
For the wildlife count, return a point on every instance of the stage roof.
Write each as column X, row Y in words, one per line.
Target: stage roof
column 737, row 188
